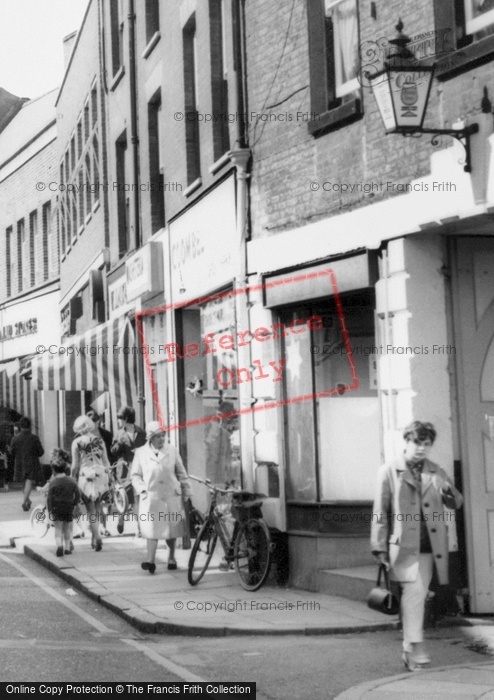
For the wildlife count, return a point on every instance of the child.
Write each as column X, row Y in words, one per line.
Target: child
column 63, row 495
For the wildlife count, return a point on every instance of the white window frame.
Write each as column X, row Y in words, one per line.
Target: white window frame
column 476, row 24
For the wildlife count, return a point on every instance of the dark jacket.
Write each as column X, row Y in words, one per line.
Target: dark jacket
column 108, row 440
column 26, row 449
column 125, row 450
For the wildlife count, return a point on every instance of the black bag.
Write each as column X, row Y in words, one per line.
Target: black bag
column 382, row 599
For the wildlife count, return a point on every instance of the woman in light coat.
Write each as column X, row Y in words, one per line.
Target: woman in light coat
column 409, row 530
column 160, row 479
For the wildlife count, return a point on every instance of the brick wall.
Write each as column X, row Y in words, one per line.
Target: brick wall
column 286, row 158
column 174, row 151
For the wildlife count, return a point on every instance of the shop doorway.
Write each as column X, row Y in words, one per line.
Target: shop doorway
column 473, row 303
column 210, row 440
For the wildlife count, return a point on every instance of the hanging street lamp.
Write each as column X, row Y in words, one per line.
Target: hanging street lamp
column 402, row 91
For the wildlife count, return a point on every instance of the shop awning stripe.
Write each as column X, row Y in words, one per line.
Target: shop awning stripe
column 16, row 393
column 94, row 361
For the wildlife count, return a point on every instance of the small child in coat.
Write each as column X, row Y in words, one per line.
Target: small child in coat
column 63, row 495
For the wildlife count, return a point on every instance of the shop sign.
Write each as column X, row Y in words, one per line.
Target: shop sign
column 117, row 295
column 15, row 330
column 203, row 244
column 144, row 271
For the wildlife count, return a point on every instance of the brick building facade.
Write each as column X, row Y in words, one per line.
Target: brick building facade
column 29, row 259
column 330, row 188
column 243, row 151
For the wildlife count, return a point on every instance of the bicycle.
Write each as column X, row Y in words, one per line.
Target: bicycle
column 116, row 497
column 117, row 494
column 249, row 547
column 40, row 522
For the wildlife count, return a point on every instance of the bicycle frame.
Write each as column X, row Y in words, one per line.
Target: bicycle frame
column 216, row 520
column 249, row 546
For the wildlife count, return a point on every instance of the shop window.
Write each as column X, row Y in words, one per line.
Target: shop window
column 333, row 441
column 219, row 82
column 334, row 62
column 192, row 144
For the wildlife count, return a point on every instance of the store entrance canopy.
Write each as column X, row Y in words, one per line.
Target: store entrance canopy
column 16, row 393
column 102, row 359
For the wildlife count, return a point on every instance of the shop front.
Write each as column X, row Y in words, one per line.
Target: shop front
column 27, row 326
column 202, row 260
column 318, row 439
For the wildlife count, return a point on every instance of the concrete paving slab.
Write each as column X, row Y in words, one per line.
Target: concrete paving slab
column 470, row 681
column 113, row 577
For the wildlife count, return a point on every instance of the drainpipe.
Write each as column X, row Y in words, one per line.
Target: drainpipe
column 134, row 139
column 240, row 156
column 134, row 136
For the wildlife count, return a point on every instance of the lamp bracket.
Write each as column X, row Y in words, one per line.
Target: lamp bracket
column 461, row 135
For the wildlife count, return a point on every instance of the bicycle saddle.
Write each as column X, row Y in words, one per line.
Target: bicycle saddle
column 248, row 496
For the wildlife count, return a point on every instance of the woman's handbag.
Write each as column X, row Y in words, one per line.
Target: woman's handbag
column 382, row 599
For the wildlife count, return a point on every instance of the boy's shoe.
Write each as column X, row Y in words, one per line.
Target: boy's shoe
column 67, row 551
column 59, row 551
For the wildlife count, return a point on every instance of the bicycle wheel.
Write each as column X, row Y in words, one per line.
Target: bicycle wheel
column 40, row 521
column 201, row 553
column 120, row 499
column 253, row 553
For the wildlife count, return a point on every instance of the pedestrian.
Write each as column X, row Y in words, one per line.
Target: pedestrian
column 107, row 438
column 90, row 468
column 26, row 449
column 129, row 438
column 63, row 495
column 409, row 533
column 102, row 432
column 160, row 479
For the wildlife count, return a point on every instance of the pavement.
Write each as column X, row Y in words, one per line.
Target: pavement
column 165, row 603
column 451, row 682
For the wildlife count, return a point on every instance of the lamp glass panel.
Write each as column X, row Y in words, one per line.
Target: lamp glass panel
column 382, row 94
column 409, row 93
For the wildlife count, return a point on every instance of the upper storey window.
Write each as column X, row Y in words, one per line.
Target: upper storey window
column 341, row 38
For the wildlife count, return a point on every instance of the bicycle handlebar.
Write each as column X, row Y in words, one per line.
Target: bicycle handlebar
column 207, row 482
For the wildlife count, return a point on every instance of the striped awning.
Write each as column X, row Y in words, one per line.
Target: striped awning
column 16, row 392
column 102, row 359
